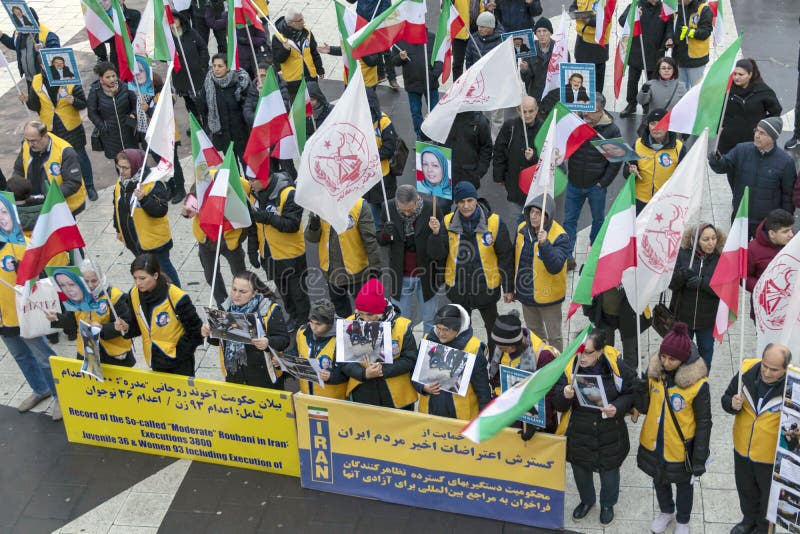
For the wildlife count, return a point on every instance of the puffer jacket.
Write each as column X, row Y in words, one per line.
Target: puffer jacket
column 509, row 156
column 414, row 67
column 478, row 46
column 193, row 55
column 101, row 110
column 746, row 106
column 517, row 14
column 470, row 139
column 696, row 307
column 587, row 166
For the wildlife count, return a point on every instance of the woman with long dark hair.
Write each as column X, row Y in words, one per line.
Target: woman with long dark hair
column 112, row 110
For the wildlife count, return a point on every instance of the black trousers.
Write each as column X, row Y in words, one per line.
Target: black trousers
column 293, row 290
column 459, row 53
column 341, row 297
column 489, row 316
column 634, row 73
column 684, row 499
column 752, row 485
column 600, row 76
column 235, row 258
column 797, row 109
column 185, row 368
column 254, row 373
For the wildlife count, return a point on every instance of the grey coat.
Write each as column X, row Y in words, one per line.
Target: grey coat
column 662, row 94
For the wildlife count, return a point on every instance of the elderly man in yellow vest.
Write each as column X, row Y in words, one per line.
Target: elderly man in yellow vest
column 295, row 49
column 755, row 431
column 45, row 159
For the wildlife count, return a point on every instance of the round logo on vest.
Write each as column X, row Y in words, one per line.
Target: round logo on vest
column 102, row 307
column 395, row 347
column 351, row 222
column 695, row 19
column 665, row 160
column 162, row 319
column 677, row 402
column 325, row 362
column 487, row 239
column 55, row 168
column 9, row 264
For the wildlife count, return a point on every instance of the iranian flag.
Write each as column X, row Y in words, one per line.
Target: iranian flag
column 543, row 171
column 571, row 133
column 99, row 27
column 719, row 21
column 701, row 107
column 404, row 20
column 233, row 44
column 347, row 21
column 244, row 13
column 731, row 270
column 204, row 155
column 122, row 42
column 153, row 36
column 270, row 125
column 605, row 15
column 160, row 135
column 613, row 250
column 560, row 54
column 225, row 207
column 668, row 8
column 631, row 30
column 517, row 400
column 450, row 23
column 299, row 112
column 55, row 232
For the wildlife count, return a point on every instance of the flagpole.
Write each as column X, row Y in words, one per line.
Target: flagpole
column 16, row 86
column 638, row 322
column 110, row 304
column 741, row 335
column 216, row 267
column 386, row 204
column 722, row 119
column 524, row 94
column 641, row 47
column 252, row 49
column 188, row 69
column 427, row 74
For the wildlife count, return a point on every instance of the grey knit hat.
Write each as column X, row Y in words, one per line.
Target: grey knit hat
column 322, row 311
column 773, row 126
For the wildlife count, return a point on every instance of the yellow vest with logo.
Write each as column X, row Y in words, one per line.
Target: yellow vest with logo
column 462, row 6
column 152, row 232
column 370, row 74
column 755, row 435
column 697, row 48
column 612, row 357
column 116, row 346
column 486, row 252
column 505, row 358
column 280, row 245
column 587, row 32
column 10, row 255
column 65, row 111
column 655, row 168
column 164, row 329
column 547, row 287
column 353, row 251
column 264, row 323
column 400, row 388
column 658, row 413
column 379, row 126
column 328, row 351
column 52, row 169
column 466, row 407
column 292, row 68
column 233, row 237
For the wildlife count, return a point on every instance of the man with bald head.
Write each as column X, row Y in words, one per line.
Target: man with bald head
column 511, row 154
column 755, row 431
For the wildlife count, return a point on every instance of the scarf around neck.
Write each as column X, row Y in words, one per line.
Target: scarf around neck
column 409, row 221
column 238, row 77
column 235, row 352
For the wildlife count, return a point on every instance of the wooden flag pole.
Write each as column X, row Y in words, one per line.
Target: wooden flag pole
column 216, row 267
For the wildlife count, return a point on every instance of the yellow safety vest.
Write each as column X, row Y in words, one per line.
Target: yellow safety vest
column 547, row 287
column 152, row 232
column 586, row 32
column 324, row 356
column 657, row 414
column 353, row 251
column 65, row 111
column 164, row 329
column 612, row 357
column 379, row 126
column 116, row 346
column 264, row 323
column 485, row 250
column 537, row 344
column 280, row 245
column 697, row 48
column 370, row 74
column 233, row 238
column 462, row 6
column 466, row 407
column 655, row 168
column 10, row 255
column 52, row 169
column 755, row 435
column 400, row 388
column 292, row 68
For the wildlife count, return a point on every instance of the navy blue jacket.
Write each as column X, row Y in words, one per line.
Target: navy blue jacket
column 517, row 14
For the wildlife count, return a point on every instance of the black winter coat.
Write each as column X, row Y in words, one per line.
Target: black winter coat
column 479, row 46
column 470, row 139
column 655, row 32
column 746, row 106
column 251, row 101
column 697, row 307
column 509, row 156
column 587, row 166
column 369, row 9
column 104, row 112
column 595, row 443
column 155, row 204
column 535, row 76
column 585, row 51
column 414, row 67
column 517, row 14
column 391, row 236
column 75, row 137
column 195, row 61
column 231, row 117
column 705, row 26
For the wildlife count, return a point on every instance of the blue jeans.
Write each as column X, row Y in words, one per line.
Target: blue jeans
column 167, row 267
column 690, row 77
column 415, row 103
column 705, row 344
column 86, row 166
column 412, row 291
column 573, row 205
column 33, row 358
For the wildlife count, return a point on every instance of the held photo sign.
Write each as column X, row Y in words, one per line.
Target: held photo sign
column 71, row 284
column 615, row 149
column 21, row 16
column 60, row 68
column 783, row 507
column 449, row 367
column 578, row 86
column 434, row 170
column 232, row 326
column 91, row 350
column 10, row 226
column 523, row 42
column 511, row 376
column 363, row 341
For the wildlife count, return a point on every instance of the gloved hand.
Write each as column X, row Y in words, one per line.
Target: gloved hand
column 684, row 31
column 255, row 261
column 646, row 88
column 693, row 281
column 698, row 470
column 313, row 222
column 527, row 432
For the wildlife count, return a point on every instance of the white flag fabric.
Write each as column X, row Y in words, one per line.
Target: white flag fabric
column 160, row 134
column 544, row 175
column 660, row 227
column 776, row 299
column 484, row 86
column 340, row 161
column 560, row 55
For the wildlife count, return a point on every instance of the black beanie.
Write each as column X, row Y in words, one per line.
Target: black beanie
column 543, row 22
column 507, row 330
column 449, row 316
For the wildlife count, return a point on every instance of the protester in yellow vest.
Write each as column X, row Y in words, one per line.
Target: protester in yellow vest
column 316, row 340
column 349, row 259
column 245, row 362
column 586, row 48
column 377, row 383
column 594, row 394
column 28, row 44
column 387, row 140
column 453, row 329
column 294, row 48
column 166, row 319
column 660, row 152
column 755, row 431
column 46, row 158
column 542, row 249
column 140, row 211
column 673, row 444
column 468, row 10
column 693, row 22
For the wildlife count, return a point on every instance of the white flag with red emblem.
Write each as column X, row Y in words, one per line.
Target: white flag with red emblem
column 560, row 55
column 776, row 299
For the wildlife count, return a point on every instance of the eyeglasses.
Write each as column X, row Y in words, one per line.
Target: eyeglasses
column 439, row 329
column 36, row 140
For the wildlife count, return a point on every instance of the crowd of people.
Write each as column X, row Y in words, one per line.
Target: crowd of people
column 445, row 259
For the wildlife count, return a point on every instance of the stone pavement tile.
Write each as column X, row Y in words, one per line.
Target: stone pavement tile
column 53, row 501
column 717, row 528
column 117, row 529
column 721, row 506
column 9, row 385
column 722, row 481
column 186, row 521
column 167, row 480
column 234, row 518
column 32, row 524
column 197, row 495
column 97, row 520
column 143, row 509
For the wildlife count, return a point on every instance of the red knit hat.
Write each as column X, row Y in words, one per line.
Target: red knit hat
column 371, row 298
column 677, row 343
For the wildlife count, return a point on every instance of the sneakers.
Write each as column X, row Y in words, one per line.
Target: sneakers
column 91, row 192
column 629, row 111
column 660, row 523
column 681, row 528
column 34, row 399
column 56, row 414
column 791, row 143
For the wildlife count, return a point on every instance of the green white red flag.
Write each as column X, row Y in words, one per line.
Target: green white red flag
column 298, row 113
column 450, row 23
column 204, row 155
column 517, row 400
column 225, row 207
column 233, row 43
column 153, row 36
column 122, row 43
column 605, row 16
column 160, row 135
column 348, row 21
column 631, row 30
column 731, row 270
column 719, row 22
column 404, row 20
column 613, row 250
column 245, row 14
column 668, row 8
column 99, row 27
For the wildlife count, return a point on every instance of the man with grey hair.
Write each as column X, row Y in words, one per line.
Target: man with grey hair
column 589, row 174
column 757, row 407
column 414, row 275
column 294, row 48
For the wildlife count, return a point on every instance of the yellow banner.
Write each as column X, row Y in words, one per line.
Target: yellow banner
column 171, row 415
column 423, row 461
